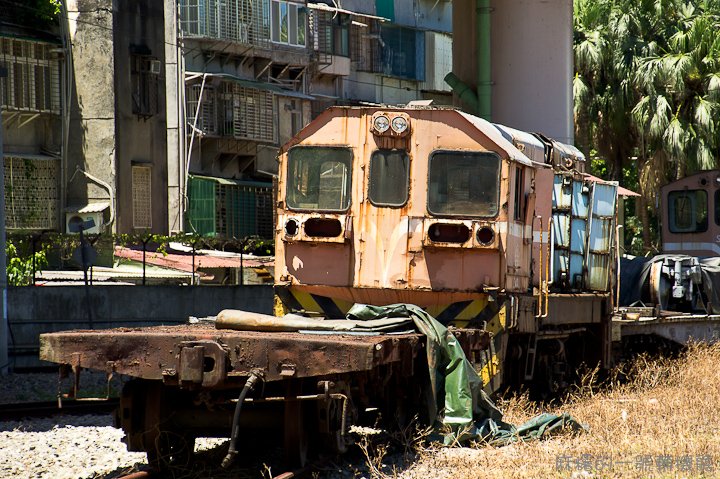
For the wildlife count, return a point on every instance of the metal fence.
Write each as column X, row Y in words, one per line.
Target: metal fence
column 47, row 259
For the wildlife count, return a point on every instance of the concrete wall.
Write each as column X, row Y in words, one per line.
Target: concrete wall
column 138, row 27
column 91, row 143
column 531, row 62
column 36, row 310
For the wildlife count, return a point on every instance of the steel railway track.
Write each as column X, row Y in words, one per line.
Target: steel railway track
column 75, row 407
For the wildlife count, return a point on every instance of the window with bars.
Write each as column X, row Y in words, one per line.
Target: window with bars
column 145, row 82
column 288, row 22
column 142, row 197
column 241, row 112
column 207, row 116
column 33, row 77
column 365, row 44
column 241, row 21
column 332, row 33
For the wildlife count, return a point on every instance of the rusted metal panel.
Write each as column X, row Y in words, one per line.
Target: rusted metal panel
column 580, row 308
column 174, row 353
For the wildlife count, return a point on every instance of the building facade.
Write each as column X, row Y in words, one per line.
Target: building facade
column 32, row 129
column 167, row 116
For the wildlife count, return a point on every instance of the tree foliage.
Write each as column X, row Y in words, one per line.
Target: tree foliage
column 647, row 89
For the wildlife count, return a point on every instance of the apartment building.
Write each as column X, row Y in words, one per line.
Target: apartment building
column 167, row 116
column 257, row 71
column 32, row 129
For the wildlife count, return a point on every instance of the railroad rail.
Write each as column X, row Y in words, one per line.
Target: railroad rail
column 75, row 407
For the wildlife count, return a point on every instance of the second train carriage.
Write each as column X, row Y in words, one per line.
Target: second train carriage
column 444, row 210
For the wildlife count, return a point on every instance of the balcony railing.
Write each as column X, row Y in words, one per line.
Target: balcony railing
column 245, row 22
column 33, row 76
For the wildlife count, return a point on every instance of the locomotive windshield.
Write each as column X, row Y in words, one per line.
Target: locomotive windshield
column 688, row 211
column 464, row 183
column 319, row 178
column 389, row 171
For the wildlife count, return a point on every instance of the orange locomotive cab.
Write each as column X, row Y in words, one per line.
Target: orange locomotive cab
column 425, row 206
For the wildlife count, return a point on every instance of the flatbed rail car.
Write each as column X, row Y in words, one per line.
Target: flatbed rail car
column 674, row 298
column 313, row 386
column 493, row 231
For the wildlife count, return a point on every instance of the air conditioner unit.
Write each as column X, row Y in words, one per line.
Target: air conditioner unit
column 74, row 219
column 155, row 66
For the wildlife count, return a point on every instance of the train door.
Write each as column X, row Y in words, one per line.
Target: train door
column 383, row 231
column 519, row 232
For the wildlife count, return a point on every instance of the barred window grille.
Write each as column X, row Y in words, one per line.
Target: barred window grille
column 142, row 197
column 33, row 77
column 207, row 117
column 145, row 80
column 239, row 21
column 244, row 210
column 253, row 114
column 31, row 193
column 365, row 44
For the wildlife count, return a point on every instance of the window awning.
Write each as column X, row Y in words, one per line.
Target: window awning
column 89, row 208
column 256, row 85
column 328, row 8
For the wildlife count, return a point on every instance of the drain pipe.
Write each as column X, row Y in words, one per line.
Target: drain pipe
column 463, row 91
column 235, row 432
column 482, row 42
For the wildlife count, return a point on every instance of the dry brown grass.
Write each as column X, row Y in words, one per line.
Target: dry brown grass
column 662, row 423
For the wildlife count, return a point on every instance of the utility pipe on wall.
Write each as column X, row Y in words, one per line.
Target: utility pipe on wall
column 482, row 41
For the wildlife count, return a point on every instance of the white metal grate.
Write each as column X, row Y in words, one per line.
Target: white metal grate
column 142, row 196
column 33, row 77
column 241, row 21
column 253, row 114
column 31, row 193
column 207, row 119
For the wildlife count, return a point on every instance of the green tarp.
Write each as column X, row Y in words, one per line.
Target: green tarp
column 460, row 403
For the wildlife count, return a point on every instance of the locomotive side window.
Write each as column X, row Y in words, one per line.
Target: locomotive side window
column 319, row 178
column 464, row 183
column 688, row 211
column 389, row 175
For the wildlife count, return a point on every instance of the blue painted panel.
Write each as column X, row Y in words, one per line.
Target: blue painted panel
column 561, row 229
column 576, row 270
column 580, row 200
column 578, row 235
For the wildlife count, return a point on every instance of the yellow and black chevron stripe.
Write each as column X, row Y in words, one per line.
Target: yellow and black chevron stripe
column 484, row 312
column 289, row 300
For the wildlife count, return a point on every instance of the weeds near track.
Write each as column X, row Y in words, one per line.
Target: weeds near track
column 652, row 417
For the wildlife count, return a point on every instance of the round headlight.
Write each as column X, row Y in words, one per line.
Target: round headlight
column 399, row 124
column 381, row 124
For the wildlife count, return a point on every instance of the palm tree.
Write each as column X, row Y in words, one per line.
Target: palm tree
column 680, row 96
column 648, row 87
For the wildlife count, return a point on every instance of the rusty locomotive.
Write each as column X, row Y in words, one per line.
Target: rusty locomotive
column 496, row 233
